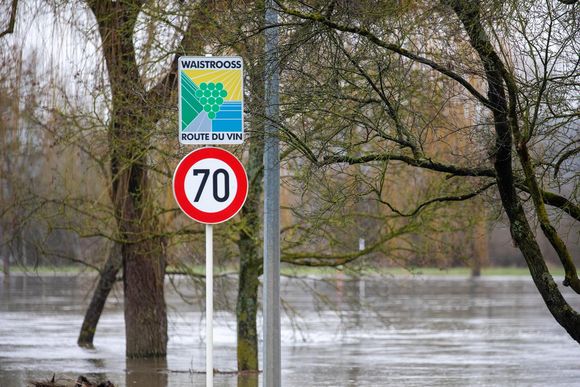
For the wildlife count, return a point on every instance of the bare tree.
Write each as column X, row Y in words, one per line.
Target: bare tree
column 442, row 59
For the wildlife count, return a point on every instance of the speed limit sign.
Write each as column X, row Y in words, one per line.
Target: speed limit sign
column 210, row 185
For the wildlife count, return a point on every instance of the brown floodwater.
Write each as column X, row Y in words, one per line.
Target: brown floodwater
column 415, row 331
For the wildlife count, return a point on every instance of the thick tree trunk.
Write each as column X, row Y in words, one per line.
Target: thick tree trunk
column 143, row 250
column 250, row 245
column 131, row 122
column 247, row 309
column 469, row 14
column 135, row 112
column 107, row 278
column 145, row 310
column 250, row 240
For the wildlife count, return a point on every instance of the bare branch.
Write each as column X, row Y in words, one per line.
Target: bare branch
column 333, row 260
column 316, row 17
column 550, row 198
column 163, row 89
column 12, row 21
column 564, row 157
column 456, row 198
column 421, row 163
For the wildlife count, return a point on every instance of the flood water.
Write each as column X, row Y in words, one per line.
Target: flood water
column 412, row 331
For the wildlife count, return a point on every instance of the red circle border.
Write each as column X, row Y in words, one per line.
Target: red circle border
column 179, row 185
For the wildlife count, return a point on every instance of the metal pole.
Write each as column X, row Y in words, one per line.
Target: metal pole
column 208, row 301
column 271, row 324
column 208, row 305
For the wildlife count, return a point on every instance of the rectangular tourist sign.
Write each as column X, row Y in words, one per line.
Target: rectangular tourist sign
column 211, row 100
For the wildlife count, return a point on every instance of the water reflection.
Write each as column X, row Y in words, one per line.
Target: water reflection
column 248, row 379
column 146, row 372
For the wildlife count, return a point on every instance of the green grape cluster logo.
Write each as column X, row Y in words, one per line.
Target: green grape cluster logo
column 211, row 95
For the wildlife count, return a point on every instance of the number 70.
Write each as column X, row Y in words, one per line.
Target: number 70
column 205, row 175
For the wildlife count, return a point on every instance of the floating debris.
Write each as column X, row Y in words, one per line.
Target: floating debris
column 80, row 382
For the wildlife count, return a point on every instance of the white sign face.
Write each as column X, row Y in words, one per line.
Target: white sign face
column 211, row 185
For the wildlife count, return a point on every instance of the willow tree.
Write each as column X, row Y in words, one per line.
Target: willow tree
column 143, row 85
column 135, row 110
column 129, row 128
column 512, row 68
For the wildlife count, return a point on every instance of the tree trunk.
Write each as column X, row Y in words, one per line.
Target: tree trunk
column 6, row 264
column 469, row 14
column 134, row 114
column 4, row 252
column 250, row 240
column 145, row 310
column 107, row 278
column 143, row 251
column 247, row 307
column 480, row 246
column 131, row 122
column 249, row 245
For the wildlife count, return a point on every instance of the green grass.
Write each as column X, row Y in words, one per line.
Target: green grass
column 42, row 269
column 555, row 271
column 464, row 271
column 304, row 271
column 418, row 271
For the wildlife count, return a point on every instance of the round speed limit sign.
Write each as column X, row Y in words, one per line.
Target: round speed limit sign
column 210, row 185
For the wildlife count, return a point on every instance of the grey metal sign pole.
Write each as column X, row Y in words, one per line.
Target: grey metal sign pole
column 271, row 352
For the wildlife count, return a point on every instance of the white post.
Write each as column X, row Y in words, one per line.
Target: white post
column 209, row 305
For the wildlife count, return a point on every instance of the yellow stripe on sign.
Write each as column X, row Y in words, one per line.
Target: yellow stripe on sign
column 232, row 80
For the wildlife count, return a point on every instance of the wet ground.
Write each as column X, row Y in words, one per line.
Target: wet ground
column 438, row 331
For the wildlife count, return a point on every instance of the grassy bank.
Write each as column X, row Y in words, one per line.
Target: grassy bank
column 417, row 271
column 301, row 271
